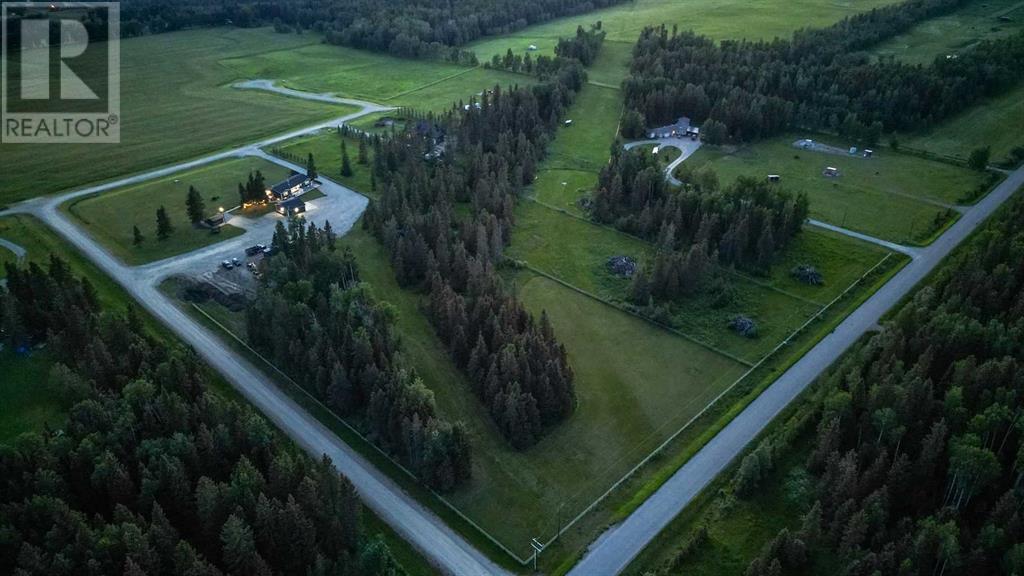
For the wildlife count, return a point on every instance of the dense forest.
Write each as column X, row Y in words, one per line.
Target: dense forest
column 152, row 473
column 320, row 325
column 820, row 79
column 408, row 28
column 917, row 464
column 745, row 224
column 447, row 192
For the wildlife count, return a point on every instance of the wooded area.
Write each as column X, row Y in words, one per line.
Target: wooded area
column 745, row 224
column 318, row 324
column 153, row 473
column 820, row 79
column 918, row 460
column 482, row 156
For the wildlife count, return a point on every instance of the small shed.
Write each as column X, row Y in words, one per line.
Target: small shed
column 868, row 153
column 773, row 178
column 568, row 122
column 831, row 171
column 532, row 47
column 215, row 221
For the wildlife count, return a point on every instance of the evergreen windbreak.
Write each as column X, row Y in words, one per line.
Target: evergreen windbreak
column 446, row 221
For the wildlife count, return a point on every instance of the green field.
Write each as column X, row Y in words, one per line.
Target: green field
column 891, row 196
column 955, row 32
column 30, row 402
column 109, row 216
column 176, row 103
column 997, row 122
column 326, row 149
column 422, row 84
column 723, row 19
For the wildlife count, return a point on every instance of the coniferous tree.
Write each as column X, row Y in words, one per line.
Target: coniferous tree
column 137, row 237
column 195, row 206
column 163, row 224
column 346, row 164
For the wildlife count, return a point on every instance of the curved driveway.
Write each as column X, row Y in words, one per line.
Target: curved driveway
column 620, row 544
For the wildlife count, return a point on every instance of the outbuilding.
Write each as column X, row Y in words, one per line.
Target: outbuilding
column 291, row 207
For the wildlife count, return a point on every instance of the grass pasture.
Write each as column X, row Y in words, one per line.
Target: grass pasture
column 30, row 402
column 892, row 196
column 997, row 122
column 109, row 216
column 176, row 103
column 347, row 72
column 954, row 33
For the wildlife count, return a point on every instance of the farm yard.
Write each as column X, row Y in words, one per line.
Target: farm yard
column 891, row 196
column 177, row 104
column 110, row 216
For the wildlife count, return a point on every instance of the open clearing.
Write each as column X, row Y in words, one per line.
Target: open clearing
column 422, row 84
column 955, row 32
column 109, row 216
column 30, row 402
column 997, row 122
column 891, row 196
column 176, row 103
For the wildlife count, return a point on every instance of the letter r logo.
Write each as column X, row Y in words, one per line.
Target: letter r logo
column 35, row 62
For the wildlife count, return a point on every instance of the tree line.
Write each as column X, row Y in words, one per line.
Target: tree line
column 315, row 320
column 820, row 79
column 700, row 223
column 516, row 365
column 582, row 47
column 917, row 462
column 406, row 28
column 152, row 473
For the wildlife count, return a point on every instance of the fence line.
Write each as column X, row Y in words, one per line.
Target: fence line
column 750, row 370
column 359, row 435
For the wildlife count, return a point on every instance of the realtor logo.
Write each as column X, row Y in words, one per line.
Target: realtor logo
column 61, row 73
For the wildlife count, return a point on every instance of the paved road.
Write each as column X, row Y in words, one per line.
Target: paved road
column 448, row 551
column 685, row 146
column 620, row 544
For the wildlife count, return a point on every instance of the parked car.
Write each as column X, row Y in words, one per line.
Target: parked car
column 253, row 250
column 236, row 262
column 251, row 266
column 227, row 264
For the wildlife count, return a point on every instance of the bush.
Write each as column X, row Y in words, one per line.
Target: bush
column 744, row 326
column 807, row 274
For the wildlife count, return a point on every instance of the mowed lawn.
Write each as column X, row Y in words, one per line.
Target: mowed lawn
column 422, row 84
column 636, row 384
column 109, row 216
column 325, row 146
column 891, row 196
column 177, row 103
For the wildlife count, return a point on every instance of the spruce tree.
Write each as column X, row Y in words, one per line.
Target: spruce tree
column 163, row 224
column 364, row 154
column 137, row 237
column 346, row 164
column 195, row 206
